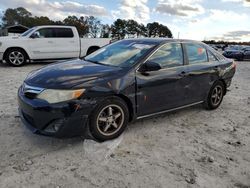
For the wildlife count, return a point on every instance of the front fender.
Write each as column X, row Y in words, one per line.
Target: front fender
column 15, row 43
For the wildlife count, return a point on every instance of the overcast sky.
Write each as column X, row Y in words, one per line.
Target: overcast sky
column 193, row 19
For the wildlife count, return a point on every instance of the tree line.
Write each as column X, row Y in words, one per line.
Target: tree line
column 88, row 25
column 226, row 43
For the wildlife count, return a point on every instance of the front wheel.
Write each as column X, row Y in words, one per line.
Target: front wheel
column 109, row 119
column 16, row 57
column 215, row 96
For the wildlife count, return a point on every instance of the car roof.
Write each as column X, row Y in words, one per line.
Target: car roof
column 163, row 40
column 54, row 26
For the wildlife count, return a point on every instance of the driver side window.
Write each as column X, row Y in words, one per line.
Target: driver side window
column 45, row 33
column 168, row 56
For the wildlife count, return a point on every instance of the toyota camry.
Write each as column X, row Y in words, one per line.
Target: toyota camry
column 124, row 81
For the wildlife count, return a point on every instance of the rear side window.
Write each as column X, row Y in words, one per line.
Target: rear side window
column 196, row 53
column 211, row 56
column 168, row 56
column 63, row 33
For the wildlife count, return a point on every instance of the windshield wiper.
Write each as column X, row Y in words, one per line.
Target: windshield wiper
column 99, row 63
column 95, row 62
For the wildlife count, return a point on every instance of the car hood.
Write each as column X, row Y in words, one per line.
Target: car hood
column 70, row 74
column 6, row 38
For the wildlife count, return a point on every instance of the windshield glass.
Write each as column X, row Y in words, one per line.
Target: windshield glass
column 28, row 32
column 121, row 54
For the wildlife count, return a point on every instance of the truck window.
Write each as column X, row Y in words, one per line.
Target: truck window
column 55, row 33
column 63, row 33
column 46, row 33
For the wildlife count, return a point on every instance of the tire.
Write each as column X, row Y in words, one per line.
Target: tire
column 16, row 57
column 103, row 123
column 215, row 96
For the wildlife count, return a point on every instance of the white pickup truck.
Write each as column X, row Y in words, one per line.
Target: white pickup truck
column 47, row 43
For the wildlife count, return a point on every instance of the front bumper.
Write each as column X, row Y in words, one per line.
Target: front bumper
column 70, row 118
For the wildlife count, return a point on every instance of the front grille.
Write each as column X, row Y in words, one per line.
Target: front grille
column 30, row 95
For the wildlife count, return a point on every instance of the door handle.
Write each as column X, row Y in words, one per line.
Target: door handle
column 72, row 41
column 50, row 42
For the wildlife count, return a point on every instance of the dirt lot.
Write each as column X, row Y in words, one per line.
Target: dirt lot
column 188, row 148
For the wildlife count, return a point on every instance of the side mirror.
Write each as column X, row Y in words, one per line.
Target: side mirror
column 150, row 66
column 35, row 35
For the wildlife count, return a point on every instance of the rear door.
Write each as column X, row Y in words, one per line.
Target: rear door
column 166, row 88
column 203, row 69
column 67, row 44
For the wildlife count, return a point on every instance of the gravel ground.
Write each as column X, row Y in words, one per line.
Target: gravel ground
column 188, row 148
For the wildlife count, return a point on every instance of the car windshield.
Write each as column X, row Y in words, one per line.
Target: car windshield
column 28, row 32
column 121, row 54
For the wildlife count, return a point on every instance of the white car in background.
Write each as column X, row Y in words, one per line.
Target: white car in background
column 47, row 43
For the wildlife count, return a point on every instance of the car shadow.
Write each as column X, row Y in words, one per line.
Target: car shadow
column 46, row 141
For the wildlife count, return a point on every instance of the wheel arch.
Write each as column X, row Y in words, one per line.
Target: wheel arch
column 224, row 84
column 129, row 104
column 16, row 47
column 92, row 48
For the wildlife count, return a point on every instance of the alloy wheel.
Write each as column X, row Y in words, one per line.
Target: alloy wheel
column 110, row 120
column 16, row 58
column 217, row 95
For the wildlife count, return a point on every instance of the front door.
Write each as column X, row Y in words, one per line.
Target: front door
column 165, row 88
column 54, row 43
column 42, row 45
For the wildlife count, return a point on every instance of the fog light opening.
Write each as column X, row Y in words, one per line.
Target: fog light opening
column 54, row 126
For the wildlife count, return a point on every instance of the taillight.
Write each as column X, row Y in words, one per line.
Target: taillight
column 234, row 65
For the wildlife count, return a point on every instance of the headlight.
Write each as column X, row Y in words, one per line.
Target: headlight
column 55, row 96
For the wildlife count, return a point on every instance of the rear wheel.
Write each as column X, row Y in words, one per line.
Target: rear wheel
column 215, row 96
column 16, row 57
column 109, row 119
